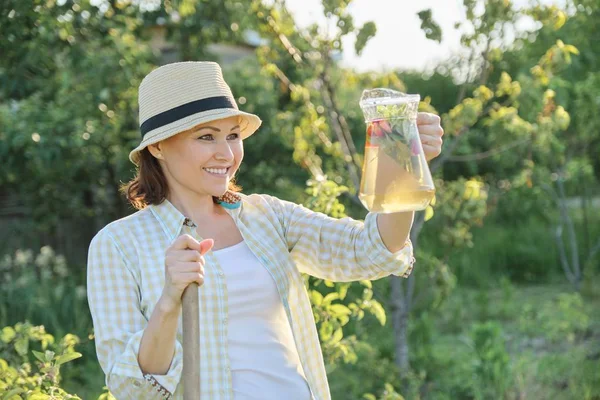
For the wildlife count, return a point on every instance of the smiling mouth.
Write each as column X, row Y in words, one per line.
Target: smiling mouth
column 217, row 171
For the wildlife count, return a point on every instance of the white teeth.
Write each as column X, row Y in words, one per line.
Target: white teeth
column 216, row 171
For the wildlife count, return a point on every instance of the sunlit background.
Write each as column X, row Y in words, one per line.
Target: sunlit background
column 503, row 302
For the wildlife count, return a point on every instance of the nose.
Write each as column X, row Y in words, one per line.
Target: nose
column 223, row 151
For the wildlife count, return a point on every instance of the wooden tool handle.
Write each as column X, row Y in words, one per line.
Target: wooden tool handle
column 191, row 343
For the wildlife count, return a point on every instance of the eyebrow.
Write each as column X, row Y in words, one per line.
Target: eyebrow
column 215, row 129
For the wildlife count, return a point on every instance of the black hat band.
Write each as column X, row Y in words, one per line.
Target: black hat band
column 185, row 110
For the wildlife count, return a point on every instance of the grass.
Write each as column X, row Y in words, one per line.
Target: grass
column 549, row 334
column 546, row 363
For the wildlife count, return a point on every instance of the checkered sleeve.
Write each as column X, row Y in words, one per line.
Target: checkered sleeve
column 114, row 301
column 339, row 249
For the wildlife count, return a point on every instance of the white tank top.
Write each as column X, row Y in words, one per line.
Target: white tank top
column 263, row 357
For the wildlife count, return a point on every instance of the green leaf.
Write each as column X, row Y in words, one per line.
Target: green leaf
column 187, row 8
column 346, row 24
column 330, row 297
column 8, row 334
column 13, row 392
column 339, row 310
column 329, row 283
column 40, row 356
column 22, row 346
column 343, row 290
column 560, row 19
column 39, row 396
column 429, row 26
column 368, row 30
column 378, row 312
column 326, row 330
column 49, row 355
column 67, row 357
column 337, row 336
column 344, row 319
column 571, row 49
column 428, row 213
column 316, row 298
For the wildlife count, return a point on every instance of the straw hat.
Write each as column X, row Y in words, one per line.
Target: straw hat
column 176, row 97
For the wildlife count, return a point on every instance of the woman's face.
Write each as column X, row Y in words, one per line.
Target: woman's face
column 203, row 159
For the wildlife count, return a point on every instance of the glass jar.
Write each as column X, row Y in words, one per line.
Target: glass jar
column 395, row 174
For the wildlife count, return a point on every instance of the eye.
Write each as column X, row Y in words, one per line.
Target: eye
column 206, row 137
column 234, row 136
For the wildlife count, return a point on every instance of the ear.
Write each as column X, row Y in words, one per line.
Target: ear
column 155, row 150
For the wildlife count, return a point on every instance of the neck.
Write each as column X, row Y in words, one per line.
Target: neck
column 195, row 207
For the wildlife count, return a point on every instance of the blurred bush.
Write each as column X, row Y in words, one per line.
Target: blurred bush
column 26, row 373
column 492, row 361
column 41, row 288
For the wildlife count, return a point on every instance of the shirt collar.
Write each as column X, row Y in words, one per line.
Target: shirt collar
column 172, row 219
column 169, row 217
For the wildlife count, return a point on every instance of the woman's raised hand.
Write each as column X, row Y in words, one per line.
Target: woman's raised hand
column 184, row 264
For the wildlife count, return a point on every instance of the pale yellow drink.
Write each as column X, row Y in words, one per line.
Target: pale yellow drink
column 395, row 174
column 387, row 186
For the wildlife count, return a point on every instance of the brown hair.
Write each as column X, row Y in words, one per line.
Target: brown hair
column 149, row 186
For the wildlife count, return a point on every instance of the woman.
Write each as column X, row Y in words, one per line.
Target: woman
column 258, row 336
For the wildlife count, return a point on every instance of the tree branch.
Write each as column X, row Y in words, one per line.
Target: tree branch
column 558, row 236
column 488, row 153
column 337, row 121
column 593, row 251
column 563, row 255
column 453, row 144
column 571, row 230
column 343, row 135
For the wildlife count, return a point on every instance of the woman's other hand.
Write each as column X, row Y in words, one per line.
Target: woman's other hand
column 431, row 132
column 184, row 264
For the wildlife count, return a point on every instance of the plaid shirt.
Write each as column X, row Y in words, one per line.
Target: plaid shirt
column 125, row 278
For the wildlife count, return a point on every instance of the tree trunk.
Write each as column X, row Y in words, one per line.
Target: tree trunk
column 585, row 206
column 402, row 290
column 571, row 268
column 400, row 321
column 572, row 237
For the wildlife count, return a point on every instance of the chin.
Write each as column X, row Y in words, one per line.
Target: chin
column 219, row 192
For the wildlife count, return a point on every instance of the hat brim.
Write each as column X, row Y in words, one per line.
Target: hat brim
column 250, row 124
